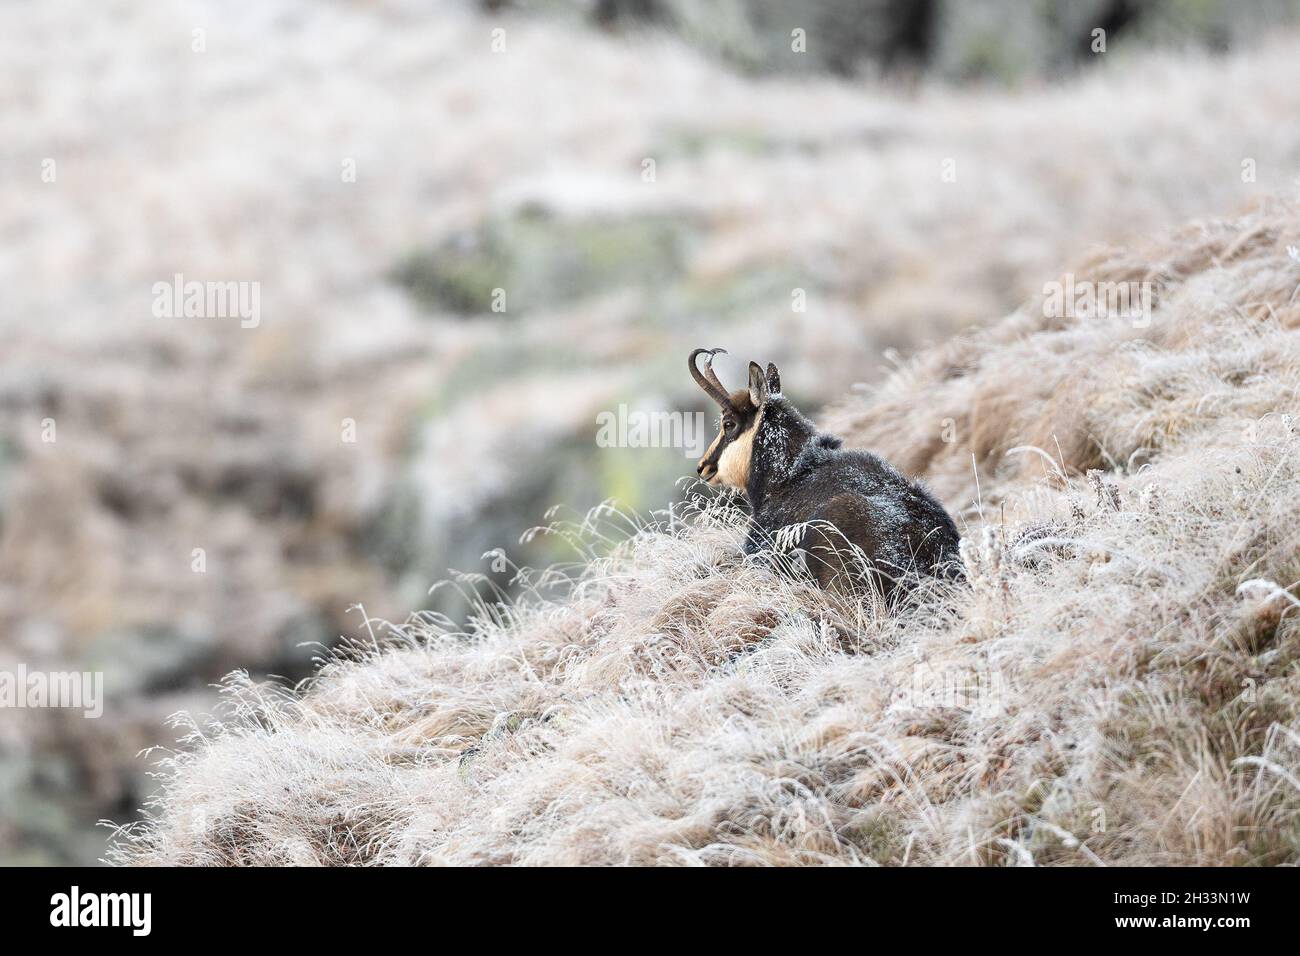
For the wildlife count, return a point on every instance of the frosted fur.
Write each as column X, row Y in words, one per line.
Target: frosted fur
column 872, row 525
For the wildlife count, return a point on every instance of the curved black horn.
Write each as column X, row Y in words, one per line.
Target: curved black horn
column 712, row 387
column 712, row 375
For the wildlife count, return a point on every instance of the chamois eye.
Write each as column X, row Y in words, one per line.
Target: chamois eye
column 728, row 424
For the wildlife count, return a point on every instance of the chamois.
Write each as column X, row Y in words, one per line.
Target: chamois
column 794, row 475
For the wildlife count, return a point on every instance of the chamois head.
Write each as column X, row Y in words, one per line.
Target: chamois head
column 728, row 458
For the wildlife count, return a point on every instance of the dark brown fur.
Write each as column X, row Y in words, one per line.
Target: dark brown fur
column 865, row 522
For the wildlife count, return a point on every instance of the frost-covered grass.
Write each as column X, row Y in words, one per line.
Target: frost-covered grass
column 1117, row 684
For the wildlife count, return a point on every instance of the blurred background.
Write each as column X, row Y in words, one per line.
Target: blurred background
column 474, row 227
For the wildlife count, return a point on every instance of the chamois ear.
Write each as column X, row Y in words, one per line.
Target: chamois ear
column 773, row 379
column 757, row 384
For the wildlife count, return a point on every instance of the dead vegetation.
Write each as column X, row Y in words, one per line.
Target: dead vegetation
column 1118, row 684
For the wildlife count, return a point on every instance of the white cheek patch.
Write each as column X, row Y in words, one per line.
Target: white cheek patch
column 733, row 466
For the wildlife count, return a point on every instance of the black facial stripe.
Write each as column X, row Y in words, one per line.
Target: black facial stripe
column 713, row 456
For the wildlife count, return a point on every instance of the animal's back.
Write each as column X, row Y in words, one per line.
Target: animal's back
column 898, row 525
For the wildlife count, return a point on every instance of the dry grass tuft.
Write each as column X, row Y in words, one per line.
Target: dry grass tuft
column 1118, row 684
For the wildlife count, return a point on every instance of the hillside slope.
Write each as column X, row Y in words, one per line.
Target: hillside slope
column 1118, row 684
column 375, row 171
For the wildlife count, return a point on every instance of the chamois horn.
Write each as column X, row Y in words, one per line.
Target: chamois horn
column 712, row 387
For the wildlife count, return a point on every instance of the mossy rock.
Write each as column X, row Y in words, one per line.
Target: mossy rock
column 536, row 261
